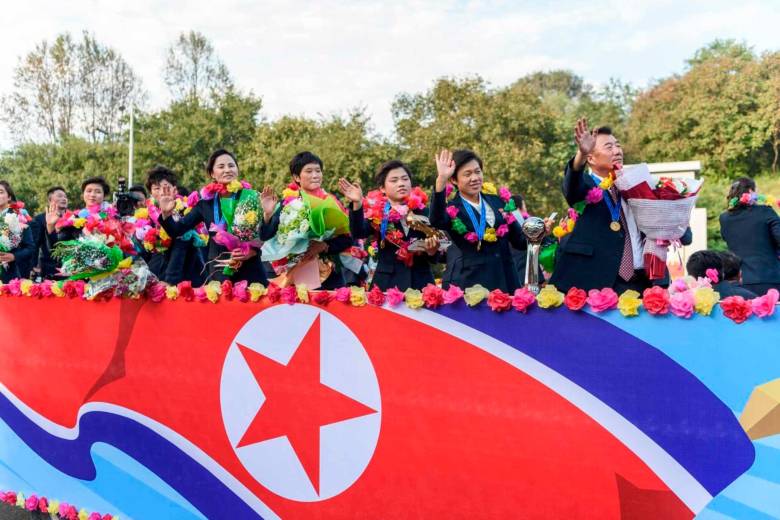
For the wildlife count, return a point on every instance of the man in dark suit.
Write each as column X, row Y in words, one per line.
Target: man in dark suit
column 43, row 264
column 698, row 264
column 605, row 248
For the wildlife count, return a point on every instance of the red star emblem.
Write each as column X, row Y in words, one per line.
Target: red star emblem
column 296, row 403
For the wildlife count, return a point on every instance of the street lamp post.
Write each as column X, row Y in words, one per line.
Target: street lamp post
column 130, row 150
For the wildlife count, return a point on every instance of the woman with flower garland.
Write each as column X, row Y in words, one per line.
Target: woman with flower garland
column 16, row 243
column 229, row 209
column 382, row 214
column 751, row 228
column 481, row 224
column 306, row 172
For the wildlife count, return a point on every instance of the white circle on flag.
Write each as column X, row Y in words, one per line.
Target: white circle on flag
column 345, row 447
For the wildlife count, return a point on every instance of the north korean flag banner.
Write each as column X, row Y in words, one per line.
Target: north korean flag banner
column 256, row 410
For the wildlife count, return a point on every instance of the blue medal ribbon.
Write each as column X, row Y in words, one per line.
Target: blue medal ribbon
column 219, row 219
column 479, row 227
column 385, row 220
column 614, row 206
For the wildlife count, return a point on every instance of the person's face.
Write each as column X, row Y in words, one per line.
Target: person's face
column 605, row 155
column 225, row 169
column 398, row 185
column 60, row 198
column 310, row 178
column 469, row 179
column 4, row 198
column 162, row 187
column 140, row 199
column 93, row 194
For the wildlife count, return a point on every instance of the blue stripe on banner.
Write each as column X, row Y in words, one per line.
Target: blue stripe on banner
column 637, row 380
column 736, row 510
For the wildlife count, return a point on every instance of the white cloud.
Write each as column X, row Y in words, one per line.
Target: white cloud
column 324, row 57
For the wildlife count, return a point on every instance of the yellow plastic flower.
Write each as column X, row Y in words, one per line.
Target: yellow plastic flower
column 126, row 263
column 548, row 297
column 256, row 291
column 413, row 298
column 303, row 292
column 179, row 206
column 287, row 193
column 54, row 507
column 558, row 232
column 770, row 200
column 163, row 234
column 357, row 296
column 233, row 186
column 19, row 500
column 25, row 286
column 57, row 291
column 148, row 246
column 372, row 250
column 79, row 222
column 704, row 299
column 490, row 235
column 141, row 213
column 83, row 514
column 570, row 225
column 488, row 188
column 629, row 303
column 606, row 183
column 213, row 290
column 475, row 294
column 171, row 292
column 251, row 217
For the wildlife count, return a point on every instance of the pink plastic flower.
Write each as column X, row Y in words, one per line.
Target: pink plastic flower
column 452, row 294
column 343, row 294
column 448, row 190
column 510, row 218
column 712, row 274
column 375, row 296
column 679, row 285
column 452, row 211
column 200, row 295
column 764, row 306
column 31, row 504
column 471, row 237
column 504, row 193
column 394, row 296
column 523, row 299
column 240, row 291
column 14, row 287
column 156, row 292
column 602, row 300
column 94, row 516
column 594, row 195
column 682, row 304
column 45, row 287
column 502, row 230
column 289, row 295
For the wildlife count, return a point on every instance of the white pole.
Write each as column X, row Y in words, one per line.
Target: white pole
column 130, row 151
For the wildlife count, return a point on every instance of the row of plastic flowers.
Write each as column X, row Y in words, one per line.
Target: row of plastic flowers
column 52, row 507
column 684, row 298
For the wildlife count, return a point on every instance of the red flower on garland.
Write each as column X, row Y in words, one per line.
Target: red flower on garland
column 575, row 299
column 375, row 296
column 499, row 301
column 432, row 295
column 656, row 300
column 736, row 308
column 322, row 297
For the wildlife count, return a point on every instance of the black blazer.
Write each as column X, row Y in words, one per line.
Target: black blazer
column 182, row 261
column 491, row 266
column 753, row 234
column 23, row 254
column 726, row 289
column 390, row 271
column 336, row 245
column 589, row 257
column 251, row 270
column 42, row 245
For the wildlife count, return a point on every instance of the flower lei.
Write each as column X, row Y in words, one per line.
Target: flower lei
column 153, row 237
column 213, row 189
column 374, row 209
column 594, row 196
column 491, row 234
column 100, row 222
column 753, row 199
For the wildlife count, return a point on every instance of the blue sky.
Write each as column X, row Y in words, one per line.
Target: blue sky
column 325, row 57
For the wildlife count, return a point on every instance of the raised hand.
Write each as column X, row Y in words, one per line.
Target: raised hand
column 268, row 200
column 353, row 192
column 585, row 138
column 52, row 216
column 445, row 168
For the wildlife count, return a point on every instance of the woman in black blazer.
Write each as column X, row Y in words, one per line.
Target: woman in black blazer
column 477, row 225
column 23, row 252
column 382, row 216
column 752, row 232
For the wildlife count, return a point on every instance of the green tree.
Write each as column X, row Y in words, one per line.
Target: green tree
column 193, row 71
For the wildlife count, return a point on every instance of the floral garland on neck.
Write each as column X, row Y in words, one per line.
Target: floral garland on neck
column 293, row 191
column 374, row 210
column 753, row 199
column 491, row 234
column 213, row 189
column 594, row 196
column 153, row 237
column 102, row 222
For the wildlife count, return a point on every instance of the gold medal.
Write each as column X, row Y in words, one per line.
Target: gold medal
column 614, row 225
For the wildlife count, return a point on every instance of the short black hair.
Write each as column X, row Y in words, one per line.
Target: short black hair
column 732, row 264
column 9, row 190
column 381, row 173
column 213, row 158
column 700, row 261
column 137, row 188
column 51, row 191
column 302, row 159
column 184, row 191
column 603, row 130
column 463, row 156
column 97, row 180
column 740, row 186
column 158, row 174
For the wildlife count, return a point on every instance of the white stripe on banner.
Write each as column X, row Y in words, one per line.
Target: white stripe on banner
column 671, row 472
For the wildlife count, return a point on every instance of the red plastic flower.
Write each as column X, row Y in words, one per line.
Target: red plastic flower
column 499, row 301
column 656, row 300
column 322, row 297
column 575, row 299
column 273, row 293
column 736, row 308
column 289, row 295
column 375, row 296
column 185, row 291
column 432, row 295
column 227, row 290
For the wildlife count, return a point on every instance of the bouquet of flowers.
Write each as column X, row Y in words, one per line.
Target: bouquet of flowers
column 244, row 232
column 11, row 228
column 153, row 237
column 303, row 219
column 661, row 209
